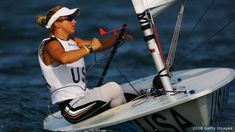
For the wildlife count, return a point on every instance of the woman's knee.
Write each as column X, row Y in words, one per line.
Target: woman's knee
column 114, row 87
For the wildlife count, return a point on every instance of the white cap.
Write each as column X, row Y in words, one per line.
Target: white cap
column 61, row 12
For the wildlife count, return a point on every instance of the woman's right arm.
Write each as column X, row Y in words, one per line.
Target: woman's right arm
column 55, row 52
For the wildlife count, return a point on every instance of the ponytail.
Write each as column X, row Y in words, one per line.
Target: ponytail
column 41, row 21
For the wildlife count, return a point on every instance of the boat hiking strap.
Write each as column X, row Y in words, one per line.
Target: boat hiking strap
column 174, row 41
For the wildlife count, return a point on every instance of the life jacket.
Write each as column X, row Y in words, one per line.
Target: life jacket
column 65, row 81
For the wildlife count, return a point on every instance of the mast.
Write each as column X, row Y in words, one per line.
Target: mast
column 143, row 11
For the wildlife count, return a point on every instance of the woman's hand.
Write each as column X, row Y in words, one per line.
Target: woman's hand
column 127, row 37
column 107, row 42
column 95, row 44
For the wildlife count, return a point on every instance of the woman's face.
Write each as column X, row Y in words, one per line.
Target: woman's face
column 67, row 23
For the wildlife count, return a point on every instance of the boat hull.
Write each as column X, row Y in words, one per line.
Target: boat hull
column 198, row 114
column 177, row 112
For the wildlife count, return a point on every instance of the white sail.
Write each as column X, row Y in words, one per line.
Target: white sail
column 155, row 6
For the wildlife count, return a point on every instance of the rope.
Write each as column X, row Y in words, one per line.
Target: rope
column 156, row 35
column 114, row 50
column 126, row 79
column 174, row 41
column 205, row 12
column 146, row 96
column 203, row 43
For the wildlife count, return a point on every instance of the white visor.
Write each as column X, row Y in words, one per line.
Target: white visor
column 61, row 12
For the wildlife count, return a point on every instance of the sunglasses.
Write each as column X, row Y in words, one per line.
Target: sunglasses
column 69, row 18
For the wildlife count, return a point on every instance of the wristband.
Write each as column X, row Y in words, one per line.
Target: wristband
column 87, row 50
column 90, row 48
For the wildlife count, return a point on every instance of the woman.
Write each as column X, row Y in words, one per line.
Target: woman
column 62, row 64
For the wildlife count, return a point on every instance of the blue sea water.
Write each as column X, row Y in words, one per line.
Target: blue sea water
column 24, row 97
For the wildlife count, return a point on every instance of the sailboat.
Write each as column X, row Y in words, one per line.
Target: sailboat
column 190, row 99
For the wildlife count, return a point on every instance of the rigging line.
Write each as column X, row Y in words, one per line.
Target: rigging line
column 157, row 38
column 156, row 35
column 121, row 72
column 190, row 34
column 97, row 61
column 200, row 45
column 104, row 58
column 174, row 41
column 126, row 78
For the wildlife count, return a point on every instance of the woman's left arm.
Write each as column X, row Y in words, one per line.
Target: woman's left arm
column 107, row 43
column 100, row 45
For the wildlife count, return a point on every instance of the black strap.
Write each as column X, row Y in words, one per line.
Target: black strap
column 149, row 37
column 159, row 73
column 117, row 42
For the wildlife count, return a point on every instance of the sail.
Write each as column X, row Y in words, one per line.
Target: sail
column 155, row 6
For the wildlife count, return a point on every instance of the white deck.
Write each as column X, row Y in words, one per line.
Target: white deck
column 204, row 81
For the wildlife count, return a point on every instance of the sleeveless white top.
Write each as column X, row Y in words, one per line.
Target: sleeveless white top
column 65, row 81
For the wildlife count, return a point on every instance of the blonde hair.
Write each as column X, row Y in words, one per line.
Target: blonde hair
column 42, row 20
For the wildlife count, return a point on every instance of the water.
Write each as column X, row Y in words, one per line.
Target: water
column 24, row 97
